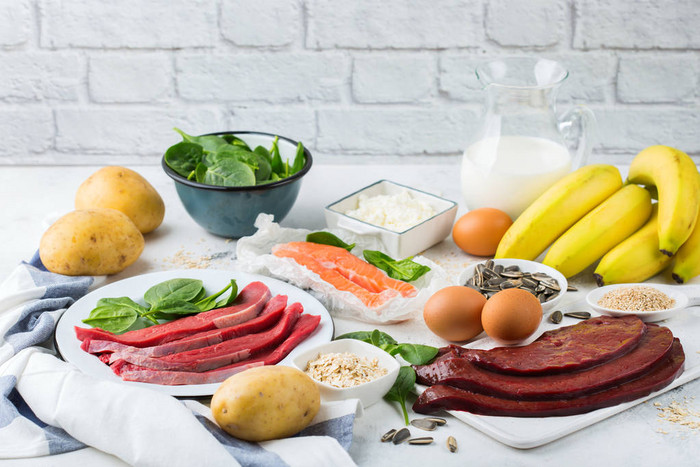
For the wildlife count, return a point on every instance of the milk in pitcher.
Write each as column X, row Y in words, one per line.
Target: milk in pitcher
column 510, row 172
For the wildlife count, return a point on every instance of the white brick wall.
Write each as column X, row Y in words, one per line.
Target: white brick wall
column 90, row 81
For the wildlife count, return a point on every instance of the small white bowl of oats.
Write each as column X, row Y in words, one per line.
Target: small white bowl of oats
column 349, row 369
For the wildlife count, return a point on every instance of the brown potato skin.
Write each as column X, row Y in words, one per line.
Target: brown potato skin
column 91, row 242
column 126, row 191
column 267, row 402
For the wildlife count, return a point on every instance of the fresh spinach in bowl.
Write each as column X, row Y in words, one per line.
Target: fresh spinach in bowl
column 227, row 160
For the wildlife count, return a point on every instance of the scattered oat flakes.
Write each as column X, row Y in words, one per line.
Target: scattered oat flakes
column 680, row 413
column 344, row 370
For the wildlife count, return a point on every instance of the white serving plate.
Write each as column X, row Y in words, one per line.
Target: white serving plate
column 398, row 245
column 134, row 287
column 684, row 295
column 526, row 433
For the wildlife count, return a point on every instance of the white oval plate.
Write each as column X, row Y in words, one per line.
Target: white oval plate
column 69, row 346
column 525, row 266
column 675, row 292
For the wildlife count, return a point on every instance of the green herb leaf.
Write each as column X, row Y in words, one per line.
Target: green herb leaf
column 181, row 289
column 417, row 354
column 405, row 270
column 364, row 336
column 235, row 141
column 112, row 318
column 403, row 385
column 276, row 162
column 231, row 296
column 228, row 172
column 299, row 160
column 174, row 306
column 263, row 151
column 210, row 143
column 327, row 238
column 209, row 302
column 183, row 157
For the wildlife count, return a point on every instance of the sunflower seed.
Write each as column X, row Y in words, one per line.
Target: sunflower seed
column 512, row 274
column 556, row 317
column 489, row 264
column 425, row 440
column 540, row 288
column 540, row 276
column 527, row 282
column 438, row 421
column 452, row 444
column 490, row 274
column 388, row 436
column 508, row 285
column 551, row 284
column 513, row 268
column 400, row 436
column 424, row 424
column 549, row 297
column 571, row 288
column 578, row 314
column 542, row 297
column 494, row 282
column 498, row 269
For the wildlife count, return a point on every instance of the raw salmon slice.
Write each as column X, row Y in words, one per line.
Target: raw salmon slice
column 337, row 280
column 349, row 266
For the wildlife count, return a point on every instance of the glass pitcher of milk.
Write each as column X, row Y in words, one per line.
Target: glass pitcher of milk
column 522, row 147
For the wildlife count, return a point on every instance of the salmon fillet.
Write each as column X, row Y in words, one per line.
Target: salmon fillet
column 346, row 272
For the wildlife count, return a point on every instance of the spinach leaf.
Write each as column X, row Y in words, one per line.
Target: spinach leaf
column 209, row 303
column 210, row 143
column 183, row 157
column 199, row 172
column 235, row 141
column 327, row 238
column 405, row 270
column 229, row 172
column 364, row 336
column 299, row 160
column 417, row 354
column 182, row 289
column 112, row 318
column 263, row 151
column 173, row 306
column 403, row 385
column 231, row 296
column 276, row 161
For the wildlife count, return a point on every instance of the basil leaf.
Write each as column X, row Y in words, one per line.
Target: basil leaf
column 114, row 319
column 403, row 385
column 327, row 238
column 182, row 289
column 405, row 270
column 183, row 157
column 417, row 354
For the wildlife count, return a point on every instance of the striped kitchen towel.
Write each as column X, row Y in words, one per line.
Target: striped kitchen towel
column 49, row 407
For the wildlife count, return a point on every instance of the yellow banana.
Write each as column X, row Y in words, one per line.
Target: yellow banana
column 600, row 230
column 557, row 209
column 675, row 176
column 687, row 263
column 635, row 259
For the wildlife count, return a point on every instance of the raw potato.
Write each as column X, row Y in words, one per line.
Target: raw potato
column 267, row 402
column 91, row 242
column 126, row 191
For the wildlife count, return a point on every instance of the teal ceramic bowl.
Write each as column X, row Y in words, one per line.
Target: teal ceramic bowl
column 231, row 211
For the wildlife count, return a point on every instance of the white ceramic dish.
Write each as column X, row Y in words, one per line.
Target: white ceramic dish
column 69, row 346
column 397, row 244
column 369, row 392
column 526, row 266
column 684, row 295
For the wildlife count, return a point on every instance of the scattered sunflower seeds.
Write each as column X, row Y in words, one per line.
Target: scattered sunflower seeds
column 452, row 444
column 578, row 314
column 438, row 421
column 388, row 436
column 489, row 279
column 400, row 436
column 424, row 424
column 424, row 440
column 556, row 317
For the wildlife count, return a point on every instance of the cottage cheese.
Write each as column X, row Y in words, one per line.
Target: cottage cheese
column 397, row 212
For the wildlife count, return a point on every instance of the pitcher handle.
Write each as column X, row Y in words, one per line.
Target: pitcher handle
column 579, row 126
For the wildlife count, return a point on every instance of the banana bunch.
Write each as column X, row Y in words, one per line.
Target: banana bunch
column 589, row 215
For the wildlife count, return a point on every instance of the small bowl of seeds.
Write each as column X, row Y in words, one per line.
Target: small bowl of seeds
column 650, row 302
column 492, row 276
column 349, row 369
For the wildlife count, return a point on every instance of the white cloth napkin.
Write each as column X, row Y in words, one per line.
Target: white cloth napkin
column 47, row 406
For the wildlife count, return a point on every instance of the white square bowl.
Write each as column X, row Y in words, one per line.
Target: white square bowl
column 398, row 245
column 368, row 393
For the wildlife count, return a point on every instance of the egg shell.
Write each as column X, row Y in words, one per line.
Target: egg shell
column 478, row 232
column 511, row 316
column 454, row 313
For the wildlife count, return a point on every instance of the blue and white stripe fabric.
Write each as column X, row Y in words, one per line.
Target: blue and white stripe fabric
column 49, row 407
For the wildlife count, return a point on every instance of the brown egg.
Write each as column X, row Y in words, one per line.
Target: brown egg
column 479, row 231
column 454, row 313
column 511, row 316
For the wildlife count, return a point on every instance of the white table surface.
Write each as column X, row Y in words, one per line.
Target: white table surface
column 31, row 195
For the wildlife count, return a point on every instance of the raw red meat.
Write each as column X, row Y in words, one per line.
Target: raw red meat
column 302, row 329
column 268, row 317
column 589, row 343
column 246, row 306
column 458, row 372
column 225, row 353
column 440, row 396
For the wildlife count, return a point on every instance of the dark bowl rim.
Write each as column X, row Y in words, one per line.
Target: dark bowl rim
column 285, row 181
